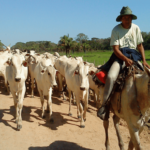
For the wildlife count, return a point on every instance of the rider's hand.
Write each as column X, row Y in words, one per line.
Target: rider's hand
column 128, row 62
column 146, row 64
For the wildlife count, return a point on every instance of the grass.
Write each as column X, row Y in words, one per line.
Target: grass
column 100, row 57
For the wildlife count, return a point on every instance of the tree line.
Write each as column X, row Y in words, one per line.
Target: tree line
column 68, row 44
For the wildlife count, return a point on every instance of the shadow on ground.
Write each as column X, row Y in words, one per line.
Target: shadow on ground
column 60, row 145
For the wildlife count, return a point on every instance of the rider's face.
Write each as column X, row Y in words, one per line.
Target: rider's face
column 126, row 21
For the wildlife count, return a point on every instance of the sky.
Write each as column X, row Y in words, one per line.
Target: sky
column 48, row 20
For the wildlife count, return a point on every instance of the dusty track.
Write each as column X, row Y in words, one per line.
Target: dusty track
column 63, row 134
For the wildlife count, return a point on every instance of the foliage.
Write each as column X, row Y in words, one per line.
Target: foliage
column 38, row 46
column 81, row 38
column 67, row 42
column 1, row 45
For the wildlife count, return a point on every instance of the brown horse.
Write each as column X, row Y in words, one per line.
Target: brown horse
column 135, row 101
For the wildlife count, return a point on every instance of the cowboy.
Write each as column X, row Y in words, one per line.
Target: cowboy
column 126, row 40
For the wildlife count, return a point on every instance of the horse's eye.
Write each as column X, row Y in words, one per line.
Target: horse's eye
column 87, row 74
column 49, row 74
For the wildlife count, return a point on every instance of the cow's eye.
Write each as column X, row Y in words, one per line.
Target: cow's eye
column 87, row 74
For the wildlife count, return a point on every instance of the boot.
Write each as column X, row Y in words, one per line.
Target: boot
column 103, row 112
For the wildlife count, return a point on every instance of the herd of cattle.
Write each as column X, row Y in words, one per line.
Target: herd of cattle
column 48, row 70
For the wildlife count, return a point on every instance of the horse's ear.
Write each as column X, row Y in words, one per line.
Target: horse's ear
column 147, row 70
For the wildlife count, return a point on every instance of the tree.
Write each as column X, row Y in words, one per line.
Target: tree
column 81, row 38
column 1, row 45
column 85, row 47
column 67, row 42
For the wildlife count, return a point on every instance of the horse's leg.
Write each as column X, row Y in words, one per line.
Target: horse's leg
column 106, row 125
column 134, row 132
column 120, row 141
column 131, row 146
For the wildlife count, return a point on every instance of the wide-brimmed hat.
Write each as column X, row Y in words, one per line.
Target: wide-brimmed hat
column 126, row 11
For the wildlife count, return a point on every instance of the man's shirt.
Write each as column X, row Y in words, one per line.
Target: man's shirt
column 126, row 37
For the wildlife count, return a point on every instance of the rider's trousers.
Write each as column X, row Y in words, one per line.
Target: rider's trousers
column 110, row 80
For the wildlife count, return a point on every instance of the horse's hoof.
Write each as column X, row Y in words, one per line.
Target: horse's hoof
column 19, row 127
column 51, row 120
column 82, row 126
column 84, row 120
column 64, row 99
column 79, row 117
column 70, row 114
column 32, row 96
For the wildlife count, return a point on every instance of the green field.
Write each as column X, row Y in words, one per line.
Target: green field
column 100, row 57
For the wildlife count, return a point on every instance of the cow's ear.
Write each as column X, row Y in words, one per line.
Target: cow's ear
column 76, row 72
column 25, row 64
column 91, row 72
column 8, row 62
column 57, row 72
column 84, row 62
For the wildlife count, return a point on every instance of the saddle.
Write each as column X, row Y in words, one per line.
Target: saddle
column 136, row 68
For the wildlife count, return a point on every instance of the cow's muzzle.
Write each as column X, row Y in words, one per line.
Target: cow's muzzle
column 82, row 88
column 17, row 79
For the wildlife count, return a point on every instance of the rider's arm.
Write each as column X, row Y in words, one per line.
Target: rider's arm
column 141, row 50
column 119, row 54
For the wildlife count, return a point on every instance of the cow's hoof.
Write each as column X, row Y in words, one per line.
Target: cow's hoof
column 79, row 117
column 74, row 103
column 84, row 120
column 43, row 116
column 51, row 120
column 47, row 111
column 19, row 127
column 16, row 121
column 70, row 114
column 64, row 99
column 82, row 126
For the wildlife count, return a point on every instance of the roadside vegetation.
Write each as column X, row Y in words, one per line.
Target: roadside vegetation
column 96, row 50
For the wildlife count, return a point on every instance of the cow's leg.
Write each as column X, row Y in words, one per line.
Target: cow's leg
column 32, row 87
column 60, row 80
column 106, row 125
column 131, row 146
column 134, row 133
column 15, row 104
column 6, row 85
column 69, row 92
column 79, row 106
column 42, row 102
column 85, row 105
column 20, row 105
column 73, row 98
column 50, row 105
column 116, row 124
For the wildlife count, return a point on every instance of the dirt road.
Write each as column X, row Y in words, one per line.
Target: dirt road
column 63, row 134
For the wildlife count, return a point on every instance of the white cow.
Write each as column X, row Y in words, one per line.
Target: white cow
column 33, row 61
column 76, row 76
column 44, row 74
column 16, row 74
column 94, row 87
column 3, row 58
